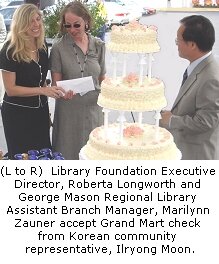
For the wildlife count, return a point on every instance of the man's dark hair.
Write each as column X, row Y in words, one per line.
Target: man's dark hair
column 200, row 30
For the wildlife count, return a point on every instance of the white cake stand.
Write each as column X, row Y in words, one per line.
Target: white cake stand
column 82, row 156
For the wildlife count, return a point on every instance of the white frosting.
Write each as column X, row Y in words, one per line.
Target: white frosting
column 133, row 38
column 153, row 143
column 126, row 141
column 128, row 95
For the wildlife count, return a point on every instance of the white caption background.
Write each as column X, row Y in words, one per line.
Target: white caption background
column 82, row 211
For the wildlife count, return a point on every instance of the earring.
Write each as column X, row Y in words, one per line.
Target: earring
column 86, row 27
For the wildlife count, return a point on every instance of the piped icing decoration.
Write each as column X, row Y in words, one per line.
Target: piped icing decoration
column 154, row 82
column 153, row 27
column 95, row 133
column 107, row 80
column 114, row 27
column 135, row 25
column 132, row 131
column 131, row 78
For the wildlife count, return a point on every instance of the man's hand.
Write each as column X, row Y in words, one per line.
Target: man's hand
column 165, row 118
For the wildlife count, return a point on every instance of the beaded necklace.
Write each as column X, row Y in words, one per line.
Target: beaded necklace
column 82, row 67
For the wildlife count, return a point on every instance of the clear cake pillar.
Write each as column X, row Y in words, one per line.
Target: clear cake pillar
column 106, row 121
column 150, row 59
column 140, row 118
column 121, row 120
column 124, row 65
column 157, row 117
column 114, row 62
column 142, row 63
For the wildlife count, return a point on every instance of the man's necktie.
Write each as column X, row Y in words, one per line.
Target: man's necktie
column 185, row 76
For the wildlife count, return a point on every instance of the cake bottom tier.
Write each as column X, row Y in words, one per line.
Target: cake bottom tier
column 138, row 142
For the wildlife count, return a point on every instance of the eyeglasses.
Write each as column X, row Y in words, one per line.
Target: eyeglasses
column 177, row 40
column 76, row 25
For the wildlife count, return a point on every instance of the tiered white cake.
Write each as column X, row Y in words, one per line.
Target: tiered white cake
column 131, row 92
column 127, row 94
column 134, row 38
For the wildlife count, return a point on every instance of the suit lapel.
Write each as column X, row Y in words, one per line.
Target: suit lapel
column 185, row 87
column 191, row 79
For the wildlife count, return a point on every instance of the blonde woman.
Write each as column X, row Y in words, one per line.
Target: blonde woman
column 24, row 64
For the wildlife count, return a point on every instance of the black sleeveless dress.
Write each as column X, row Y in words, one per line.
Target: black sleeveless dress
column 26, row 119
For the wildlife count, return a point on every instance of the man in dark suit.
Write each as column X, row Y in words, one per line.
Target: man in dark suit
column 194, row 117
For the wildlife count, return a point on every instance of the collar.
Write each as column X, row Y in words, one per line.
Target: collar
column 92, row 42
column 195, row 63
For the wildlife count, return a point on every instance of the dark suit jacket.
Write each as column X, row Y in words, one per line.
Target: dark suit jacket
column 195, row 120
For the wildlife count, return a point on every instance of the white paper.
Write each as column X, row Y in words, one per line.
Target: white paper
column 79, row 85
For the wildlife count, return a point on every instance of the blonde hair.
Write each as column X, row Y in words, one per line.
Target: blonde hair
column 18, row 37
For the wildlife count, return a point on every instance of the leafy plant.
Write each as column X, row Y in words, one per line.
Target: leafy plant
column 52, row 17
column 99, row 19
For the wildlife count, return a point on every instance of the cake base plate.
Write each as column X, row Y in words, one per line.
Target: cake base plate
column 129, row 110
column 82, row 156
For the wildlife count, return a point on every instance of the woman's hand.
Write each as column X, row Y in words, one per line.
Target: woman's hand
column 69, row 95
column 54, row 92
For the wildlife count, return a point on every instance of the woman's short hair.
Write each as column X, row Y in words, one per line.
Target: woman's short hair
column 79, row 10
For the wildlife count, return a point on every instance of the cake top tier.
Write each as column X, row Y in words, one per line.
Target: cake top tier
column 134, row 26
column 134, row 38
